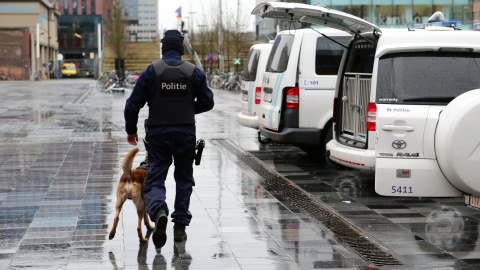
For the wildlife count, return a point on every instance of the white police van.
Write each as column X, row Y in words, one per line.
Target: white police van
column 251, row 86
column 405, row 104
column 298, row 86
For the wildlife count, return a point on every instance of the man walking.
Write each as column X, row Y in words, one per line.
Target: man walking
column 175, row 91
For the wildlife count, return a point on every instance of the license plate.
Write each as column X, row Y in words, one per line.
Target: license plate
column 267, row 97
column 245, row 96
column 472, row 201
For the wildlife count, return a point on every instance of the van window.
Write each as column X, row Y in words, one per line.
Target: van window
column 360, row 58
column 278, row 59
column 250, row 69
column 329, row 54
column 426, row 77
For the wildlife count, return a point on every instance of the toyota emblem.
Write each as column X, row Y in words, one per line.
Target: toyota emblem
column 399, row 144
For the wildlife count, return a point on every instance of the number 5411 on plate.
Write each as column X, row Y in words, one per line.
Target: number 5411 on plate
column 402, row 189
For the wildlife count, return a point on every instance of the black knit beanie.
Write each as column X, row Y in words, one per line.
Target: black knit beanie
column 172, row 40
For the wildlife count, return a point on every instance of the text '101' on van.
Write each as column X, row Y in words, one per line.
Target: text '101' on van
column 406, row 104
column 251, row 86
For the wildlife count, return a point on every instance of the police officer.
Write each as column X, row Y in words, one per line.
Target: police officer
column 175, row 91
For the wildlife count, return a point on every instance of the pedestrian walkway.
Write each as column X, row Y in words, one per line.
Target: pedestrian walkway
column 59, row 164
column 254, row 206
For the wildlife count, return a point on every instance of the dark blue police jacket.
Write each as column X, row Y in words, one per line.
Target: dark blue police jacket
column 146, row 85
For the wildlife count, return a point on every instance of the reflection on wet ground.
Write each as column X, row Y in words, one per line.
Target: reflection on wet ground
column 60, row 162
column 428, row 233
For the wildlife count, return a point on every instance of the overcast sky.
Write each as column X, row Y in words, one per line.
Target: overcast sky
column 201, row 8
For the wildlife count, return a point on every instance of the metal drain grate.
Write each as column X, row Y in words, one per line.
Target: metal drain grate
column 371, row 251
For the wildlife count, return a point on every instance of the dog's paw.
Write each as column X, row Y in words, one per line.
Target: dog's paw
column 111, row 236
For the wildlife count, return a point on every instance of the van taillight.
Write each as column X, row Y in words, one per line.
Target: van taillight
column 292, row 98
column 372, row 116
column 258, row 93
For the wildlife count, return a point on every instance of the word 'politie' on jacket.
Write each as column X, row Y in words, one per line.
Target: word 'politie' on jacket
column 173, row 101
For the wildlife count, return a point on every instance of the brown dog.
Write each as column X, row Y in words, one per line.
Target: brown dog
column 130, row 187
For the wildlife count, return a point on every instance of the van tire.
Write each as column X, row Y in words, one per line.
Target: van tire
column 309, row 149
column 457, row 144
column 319, row 150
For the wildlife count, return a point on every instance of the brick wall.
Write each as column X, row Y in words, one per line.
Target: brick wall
column 12, row 52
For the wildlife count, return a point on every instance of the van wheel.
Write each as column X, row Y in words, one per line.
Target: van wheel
column 327, row 136
column 309, row 149
column 319, row 151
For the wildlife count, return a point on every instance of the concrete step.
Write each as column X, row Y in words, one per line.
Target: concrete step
column 138, row 55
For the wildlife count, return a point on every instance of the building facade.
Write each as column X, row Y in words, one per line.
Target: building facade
column 399, row 13
column 83, row 22
column 387, row 13
column 142, row 16
column 80, row 31
column 69, row 31
column 476, row 14
column 29, row 40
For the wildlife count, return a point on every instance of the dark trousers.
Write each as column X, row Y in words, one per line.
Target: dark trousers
column 162, row 148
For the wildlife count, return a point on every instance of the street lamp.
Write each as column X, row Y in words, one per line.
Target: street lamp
column 183, row 25
column 48, row 42
column 190, row 24
column 220, row 40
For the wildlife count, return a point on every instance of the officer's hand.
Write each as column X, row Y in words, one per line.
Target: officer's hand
column 132, row 139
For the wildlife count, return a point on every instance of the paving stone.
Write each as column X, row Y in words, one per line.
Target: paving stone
column 60, row 164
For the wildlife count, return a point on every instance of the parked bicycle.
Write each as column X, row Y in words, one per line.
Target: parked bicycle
column 228, row 81
column 6, row 77
column 37, row 75
column 233, row 82
column 111, row 82
column 218, row 81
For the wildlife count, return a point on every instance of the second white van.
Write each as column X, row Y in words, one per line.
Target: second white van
column 251, row 86
column 298, row 87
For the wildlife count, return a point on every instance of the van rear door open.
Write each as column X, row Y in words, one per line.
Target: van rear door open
column 314, row 14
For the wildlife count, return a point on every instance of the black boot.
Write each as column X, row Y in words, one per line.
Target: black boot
column 179, row 234
column 159, row 235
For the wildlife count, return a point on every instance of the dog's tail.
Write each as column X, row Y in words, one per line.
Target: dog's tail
column 128, row 162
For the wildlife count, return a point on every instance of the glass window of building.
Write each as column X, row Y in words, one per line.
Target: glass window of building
column 397, row 13
column 65, row 7
column 92, row 6
column 84, row 7
column 74, row 6
column 77, row 37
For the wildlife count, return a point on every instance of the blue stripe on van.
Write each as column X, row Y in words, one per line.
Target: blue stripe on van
column 277, row 91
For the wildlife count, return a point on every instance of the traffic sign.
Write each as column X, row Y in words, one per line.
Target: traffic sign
column 210, row 58
column 236, row 61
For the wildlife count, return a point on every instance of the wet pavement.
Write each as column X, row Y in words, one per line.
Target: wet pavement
column 254, row 206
